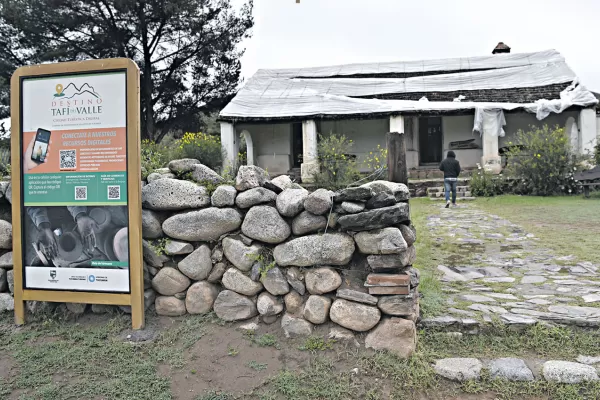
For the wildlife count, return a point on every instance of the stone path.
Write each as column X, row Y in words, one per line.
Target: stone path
column 499, row 271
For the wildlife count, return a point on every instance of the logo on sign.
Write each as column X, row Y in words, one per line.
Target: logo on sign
column 92, row 278
column 53, row 273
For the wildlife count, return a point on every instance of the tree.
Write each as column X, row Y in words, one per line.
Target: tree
column 188, row 51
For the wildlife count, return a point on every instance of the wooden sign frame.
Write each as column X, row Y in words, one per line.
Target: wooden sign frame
column 135, row 297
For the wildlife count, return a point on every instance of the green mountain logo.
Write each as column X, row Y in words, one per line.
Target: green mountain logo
column 72, row 90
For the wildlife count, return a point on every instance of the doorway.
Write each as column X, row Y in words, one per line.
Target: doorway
column 297, row 145
column 430, row 140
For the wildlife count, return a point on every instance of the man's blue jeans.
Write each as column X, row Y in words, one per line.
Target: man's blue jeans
column 450, row 186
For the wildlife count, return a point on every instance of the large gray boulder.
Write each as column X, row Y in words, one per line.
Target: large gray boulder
column 375, row 219
column 458, row 369
column 568, row 372
column 4, row 281
column 169, row 306
column 355, row 295
column 316, row 309
column 250, row 176
column 230, row 306
column 399, row 190
column 381, row 241
column 322, row 280
column 151, row 224
column 176, row 248
column 275, row 283
column 174, row 194
column 353, row 194
column 198, row 264
column 264, row 223
column 169, row 281
column 396, row 335
column 239, row 254
column 200, row 297
column 308, row 223
column 204, row 175
column 234, row 280
column 156, row 176
column 355, row 316
column 6, row 260
column 293, row 302
column 294, row 326
column 319, row 202
column 290, row 202
column 253, row 197
column 399, row 306
column 8, row 193
column 183, row 165
column 282, row 182
column 409, row 233
column 10, row 277
column 269, row 305
column 7, row 303
column 512, row 369
column 224, row 196
column 391, row 261
column 351, row 207
column 306, row 251
column 202, row 225
column 5, row 235
column 381, row 200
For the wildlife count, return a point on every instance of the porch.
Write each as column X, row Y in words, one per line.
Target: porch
column 290, row 147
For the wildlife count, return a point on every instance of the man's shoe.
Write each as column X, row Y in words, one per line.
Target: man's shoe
column 448, row 204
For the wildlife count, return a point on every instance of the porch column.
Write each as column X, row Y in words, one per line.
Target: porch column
column 230, row 144
column 397, row 123
column 491, row 160
column 587, row 126
column 249, row 147
column 310, row 160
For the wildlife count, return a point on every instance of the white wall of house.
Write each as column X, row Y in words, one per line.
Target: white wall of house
column 523, row 121
column 460, row 127
column 365, row 133
column 272, row 145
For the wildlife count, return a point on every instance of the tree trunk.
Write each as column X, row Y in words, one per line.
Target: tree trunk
column 147, row 84
column 396, row 158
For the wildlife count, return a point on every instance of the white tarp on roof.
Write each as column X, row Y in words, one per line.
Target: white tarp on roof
column 307, row 91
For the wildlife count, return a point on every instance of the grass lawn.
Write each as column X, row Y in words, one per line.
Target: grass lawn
column 566, row 225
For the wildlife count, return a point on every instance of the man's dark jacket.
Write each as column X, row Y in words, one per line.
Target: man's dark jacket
column 450, row 166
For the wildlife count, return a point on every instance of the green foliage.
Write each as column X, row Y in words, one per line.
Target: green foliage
column 376, row 159
column 188, row 50
column 337, row 165
column 257, row 366
column 317, row 343
column 484, row 184
column 154, row 156
column 547, row 164
column 232, row 351
column 203, row 147
column 213, row 395
column 159, row 245
column 597, row 153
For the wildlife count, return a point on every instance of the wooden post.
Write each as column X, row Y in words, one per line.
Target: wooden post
column 396, row 158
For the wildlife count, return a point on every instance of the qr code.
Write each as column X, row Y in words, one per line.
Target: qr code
column 68, row 159
column 114, row 192
column 80, row 192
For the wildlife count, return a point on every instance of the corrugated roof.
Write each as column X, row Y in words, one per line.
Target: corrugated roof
column 359, row 88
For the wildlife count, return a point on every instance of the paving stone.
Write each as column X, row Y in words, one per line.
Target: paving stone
column 533, row 279
column 458, row 369
column 503, row 296
column 512, row 369
column 502, row 279
column 487, row 308
column 476, row 298
column 514, row 319
column 568, row 372
column 591, row 298
column 539, row 302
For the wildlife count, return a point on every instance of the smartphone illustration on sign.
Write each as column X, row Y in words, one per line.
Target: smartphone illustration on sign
column 40, row 145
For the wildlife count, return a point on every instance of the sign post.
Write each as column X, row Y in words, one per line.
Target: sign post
column 76, row 193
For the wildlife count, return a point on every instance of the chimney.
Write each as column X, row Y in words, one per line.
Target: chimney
column 501, row 48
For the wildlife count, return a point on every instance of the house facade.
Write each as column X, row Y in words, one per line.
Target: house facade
column 473, row 106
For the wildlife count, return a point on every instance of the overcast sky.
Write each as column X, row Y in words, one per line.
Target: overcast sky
column 326, row 32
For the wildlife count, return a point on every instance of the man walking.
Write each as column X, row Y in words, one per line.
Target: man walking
column 451, row 168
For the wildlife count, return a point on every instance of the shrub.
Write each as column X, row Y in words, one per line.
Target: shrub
column 203, row 147
column 547, row 163
column 377, row 159
column 337, row 165
column 154, row 156
column 484, row 184
column 597, row 153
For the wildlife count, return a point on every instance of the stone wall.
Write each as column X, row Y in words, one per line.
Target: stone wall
column 271, row 249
